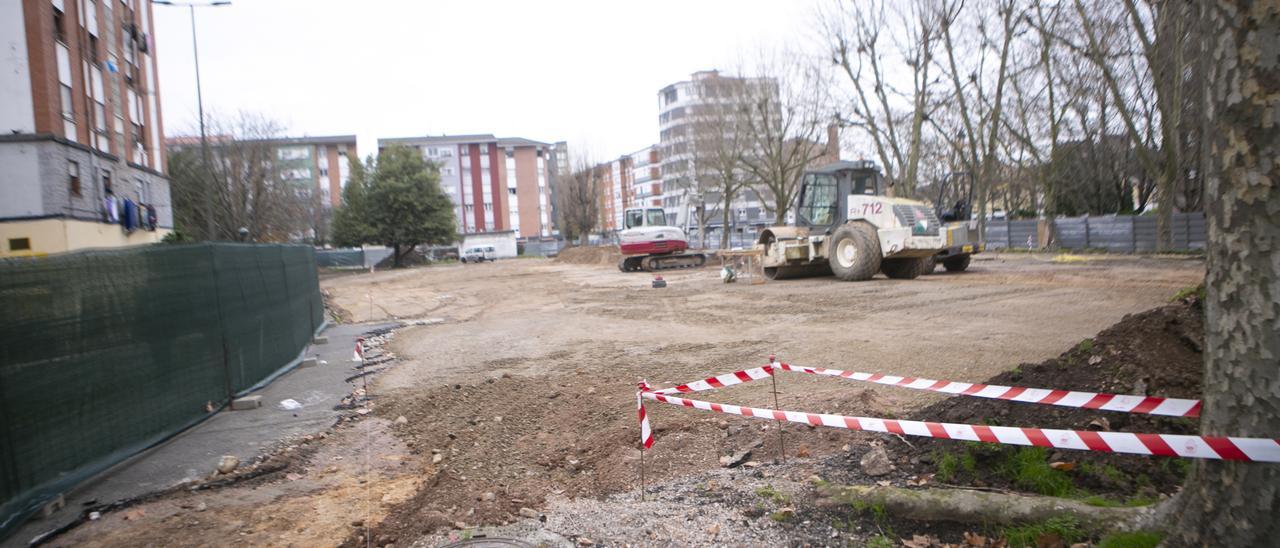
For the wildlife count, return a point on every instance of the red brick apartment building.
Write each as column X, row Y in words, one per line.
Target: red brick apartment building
column 80, row 125
column 496, row 183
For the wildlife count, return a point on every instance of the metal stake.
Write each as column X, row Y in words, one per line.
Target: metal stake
column 642, row 487
column 773, row 378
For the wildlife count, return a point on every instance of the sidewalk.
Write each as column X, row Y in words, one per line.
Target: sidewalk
column 245, row 434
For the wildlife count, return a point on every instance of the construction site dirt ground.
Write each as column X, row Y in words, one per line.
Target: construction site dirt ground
column 520, row 407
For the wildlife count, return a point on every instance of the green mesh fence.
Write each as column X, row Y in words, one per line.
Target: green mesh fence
column 105, row 353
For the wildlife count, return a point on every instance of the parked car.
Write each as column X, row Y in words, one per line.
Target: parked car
column 479, row 254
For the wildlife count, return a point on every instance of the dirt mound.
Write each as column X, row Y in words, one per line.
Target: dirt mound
column 601, row 255
column 1156, row 353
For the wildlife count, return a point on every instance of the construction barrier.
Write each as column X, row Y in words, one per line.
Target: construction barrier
column 104, row 353
column 1168, row 445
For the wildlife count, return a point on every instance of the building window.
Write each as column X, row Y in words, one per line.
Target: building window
column 488, row 206
column 73, row 177
column 59, row 31
column 324, row 172
column 466, row 150
column 106, row 179
column 100, row 117
column 19, row 244
column 484, row 151
column 511, row 191
column 67, row 111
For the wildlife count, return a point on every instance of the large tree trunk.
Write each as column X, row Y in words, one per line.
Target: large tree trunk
column 1234, row 503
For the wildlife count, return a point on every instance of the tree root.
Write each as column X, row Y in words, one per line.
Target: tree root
column 969, row 506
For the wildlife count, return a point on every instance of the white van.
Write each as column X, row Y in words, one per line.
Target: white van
column 479, row 254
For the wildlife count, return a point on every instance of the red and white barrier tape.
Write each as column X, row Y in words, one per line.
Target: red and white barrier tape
column 1204, row 447
column 721, row 381
column 1173, row 407
column 646, row 435
column 359, row 353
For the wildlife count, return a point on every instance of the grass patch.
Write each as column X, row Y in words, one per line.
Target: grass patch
column 1069, row 258
column 948, row 464
column 772, row 494
column 880, row 541
column 1066, row 529
column 1178, row 467
column 1028, row 468
column 1085, row 345
column 1104, row 471
column 781, row 516
column 1136, row 539
column 1196, row 291
column 951, row 464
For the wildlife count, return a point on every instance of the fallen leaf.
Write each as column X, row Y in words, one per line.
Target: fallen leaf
column 1064, row 466
column 1050, row 540
column 135, row 514
column 974, row 539
column 919, row 541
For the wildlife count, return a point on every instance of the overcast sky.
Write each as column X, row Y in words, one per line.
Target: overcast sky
column 583, row 71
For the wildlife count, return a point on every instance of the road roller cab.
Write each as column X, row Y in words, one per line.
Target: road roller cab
column 845, row 225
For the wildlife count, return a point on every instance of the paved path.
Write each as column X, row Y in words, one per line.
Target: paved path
column 245, row 434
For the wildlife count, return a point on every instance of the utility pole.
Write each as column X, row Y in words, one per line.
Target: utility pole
column 204, row 138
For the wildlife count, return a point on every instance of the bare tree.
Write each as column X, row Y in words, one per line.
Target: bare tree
column 1141, row 51
column 978, row 106
column 783, row 126
column 578, row 197
column 720, row 140
column 246, row 184
column 854, row 32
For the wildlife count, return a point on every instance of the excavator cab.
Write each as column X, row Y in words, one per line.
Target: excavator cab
column 652, row 216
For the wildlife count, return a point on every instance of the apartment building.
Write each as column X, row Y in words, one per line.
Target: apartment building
column 81, row 135
column 646, row 177
column 631, row 180
column 321, row 163
column 496, row 183
column 705, row 95
column 614, row 179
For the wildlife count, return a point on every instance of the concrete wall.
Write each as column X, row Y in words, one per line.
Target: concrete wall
column 504, row 243
column 48, row 236
column 17, row 112
column 20, row 180
column 35, row 181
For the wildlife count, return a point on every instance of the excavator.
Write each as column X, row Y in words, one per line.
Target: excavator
column 648, row 243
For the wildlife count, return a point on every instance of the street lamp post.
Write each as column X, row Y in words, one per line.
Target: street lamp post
column 204, row 138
